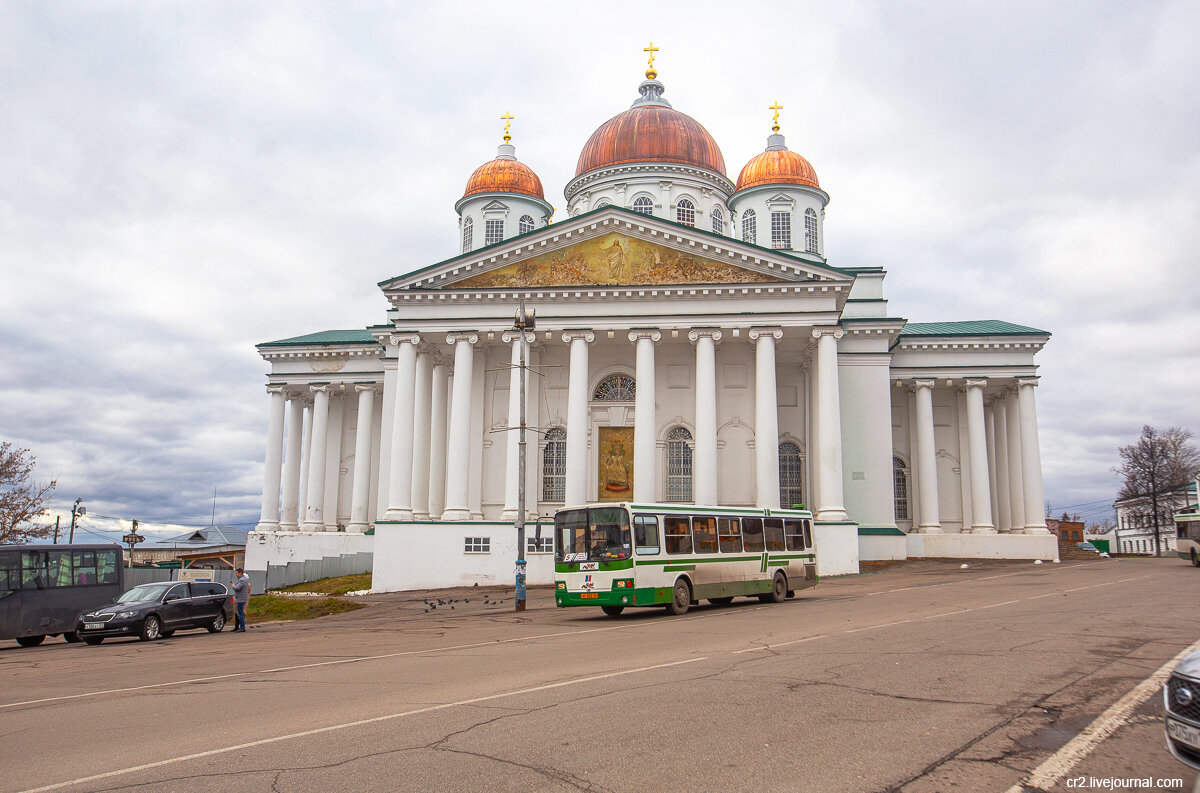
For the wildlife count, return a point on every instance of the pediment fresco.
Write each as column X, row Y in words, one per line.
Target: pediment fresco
column 614, row 260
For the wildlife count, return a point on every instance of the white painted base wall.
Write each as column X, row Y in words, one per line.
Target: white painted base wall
column 430, row 556
column 837, row 548
column 882, row 548
column 281, row 547
column 983, row 546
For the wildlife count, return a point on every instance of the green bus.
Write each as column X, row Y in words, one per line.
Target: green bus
column 1187, row 536
column 619, row 555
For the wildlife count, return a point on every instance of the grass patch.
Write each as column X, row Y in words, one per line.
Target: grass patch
column 266, row 608
column 333, row 586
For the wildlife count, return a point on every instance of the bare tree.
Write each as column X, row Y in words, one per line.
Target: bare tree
column 21, row 498
column 1155, row 473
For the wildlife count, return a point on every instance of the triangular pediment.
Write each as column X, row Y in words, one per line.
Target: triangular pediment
column 494, row 205
column 613, row 259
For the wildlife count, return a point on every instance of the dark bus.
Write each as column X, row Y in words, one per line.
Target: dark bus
column 43, row 588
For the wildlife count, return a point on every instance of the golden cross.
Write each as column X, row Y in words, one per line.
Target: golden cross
column 776, row 107
column 507, row 119
column 651, row 49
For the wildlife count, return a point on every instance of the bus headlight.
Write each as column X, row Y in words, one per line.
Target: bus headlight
column 560, row 584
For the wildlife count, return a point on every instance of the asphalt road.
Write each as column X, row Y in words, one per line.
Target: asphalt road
column 916, row 677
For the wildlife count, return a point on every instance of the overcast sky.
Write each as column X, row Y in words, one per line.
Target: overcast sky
column 181, row 181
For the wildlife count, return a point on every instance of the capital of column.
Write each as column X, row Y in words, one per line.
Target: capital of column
column 1027, row 381
column 756, row 333
column 361, row 387
column 836, row 333
column 469, row 336
column 976, row 382
column 277, row 389
column 570, row 335
column 696, row 334
column 510, row 336
column 326, row 387
column 396, row 339
column 645, row 333
column 919, row 384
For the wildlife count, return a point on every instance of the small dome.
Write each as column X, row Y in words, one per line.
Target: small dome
column 777, row 165
column 651, row 131
column 505, row 175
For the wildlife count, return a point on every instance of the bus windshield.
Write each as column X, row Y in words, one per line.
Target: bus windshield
column 593, row 535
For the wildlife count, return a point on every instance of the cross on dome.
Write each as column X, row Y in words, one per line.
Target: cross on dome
column 507, row 119
column 650, row 72
column 776, row 107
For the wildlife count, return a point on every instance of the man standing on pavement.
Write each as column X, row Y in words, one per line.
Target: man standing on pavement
column 241, row 596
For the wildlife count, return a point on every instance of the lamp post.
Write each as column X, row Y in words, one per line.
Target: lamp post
column 76, row 512
column 521, row 324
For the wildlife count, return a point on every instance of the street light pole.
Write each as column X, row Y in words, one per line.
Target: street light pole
column 523, row 323
column 76, row 511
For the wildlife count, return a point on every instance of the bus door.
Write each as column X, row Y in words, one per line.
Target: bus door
column 709, row 570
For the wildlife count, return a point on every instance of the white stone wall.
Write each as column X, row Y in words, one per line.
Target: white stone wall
column 793, row 199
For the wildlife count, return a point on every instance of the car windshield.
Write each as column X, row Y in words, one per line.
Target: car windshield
column 145, row 592
column 596, row 534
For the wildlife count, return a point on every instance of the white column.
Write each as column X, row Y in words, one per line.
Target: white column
column 704, row 461
column 766, row 418
column 1031, row 459
column 512, row 437
column 1016, row 484
column 645, row 424
column 314, row 508
column 1003, row 499
column 273, row 465
column 361, row 493
column 439, row 391
column 930, row 522
column 400, row 468
column 306, row 458
column 981, row 498
column 830, row 504
column 989, row 421
column 964, row 457
column 458, row 449
column 333, row 454
column 533, row 463
column 478, row 397
column 422, row 417
column 577, row 414
column 289, row 515
column 813, row 441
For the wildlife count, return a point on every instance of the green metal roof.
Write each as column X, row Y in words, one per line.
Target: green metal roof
column 356, row 336
column 972, row 327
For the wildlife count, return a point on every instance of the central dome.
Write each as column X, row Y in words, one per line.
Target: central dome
column 651, row 131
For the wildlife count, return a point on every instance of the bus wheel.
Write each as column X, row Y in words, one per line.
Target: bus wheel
column 94, row 639
column 1195, row 561
column 612, row 611
column 151, row 629
column 30, row 641
column 681, row 598
column 72, row 637
column 778, row 588
column 720, row 601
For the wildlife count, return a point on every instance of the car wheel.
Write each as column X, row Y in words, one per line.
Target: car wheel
column 725, row 601
column 681, row 598
column 612, row 611
column 72, row 637
column 218, row 623
column 94, row 639
column 151, row 629
column 30, row 641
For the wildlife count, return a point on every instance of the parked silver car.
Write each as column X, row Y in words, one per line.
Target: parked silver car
column 1181, row 701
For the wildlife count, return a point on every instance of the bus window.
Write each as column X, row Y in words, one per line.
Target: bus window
column 571, row 526
column 85, row 567
column 807, row 533
column 730, row 532
column 609, row 533
column 677, row 535
column 10, row 572
column 705, row 532
column 33, row 570
column 752, row 532
column 793, row 531
column 645, row 534
column 774, row 534
column 106, row 566
column 60, row 568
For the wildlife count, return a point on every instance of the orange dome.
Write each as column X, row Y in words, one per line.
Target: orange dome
column 504, row 175
column 777, row 166
column 651, row 133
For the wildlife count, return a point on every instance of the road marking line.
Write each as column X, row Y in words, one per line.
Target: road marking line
column 781, row 644
column 358, row 723
column 994, row 605
column 1061, row 762
column 873, row 627
column 947, row 614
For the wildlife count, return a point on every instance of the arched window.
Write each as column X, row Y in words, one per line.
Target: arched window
column 603, row 202
column 781, row 230
column 685, row 212
column 810, row 231
column 791, row 476
column 749, row 230
column 900, row 483
column 644, row 205
column 468, row 235
column 615, row 388
column 718, row 220
column 554, row 465
column 493, row 231
column 679, row 465
column 525, row 224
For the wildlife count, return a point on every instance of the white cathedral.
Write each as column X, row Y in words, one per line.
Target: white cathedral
column 693, row 344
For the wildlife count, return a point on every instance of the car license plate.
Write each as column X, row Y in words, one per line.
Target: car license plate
column 93, row 626
column 590, row 595
column 1183, row 733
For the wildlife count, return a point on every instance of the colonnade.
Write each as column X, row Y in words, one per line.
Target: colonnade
column 1001, row 461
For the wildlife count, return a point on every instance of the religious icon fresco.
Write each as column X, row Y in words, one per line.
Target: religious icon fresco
column 615, row 464
column 614, row 260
